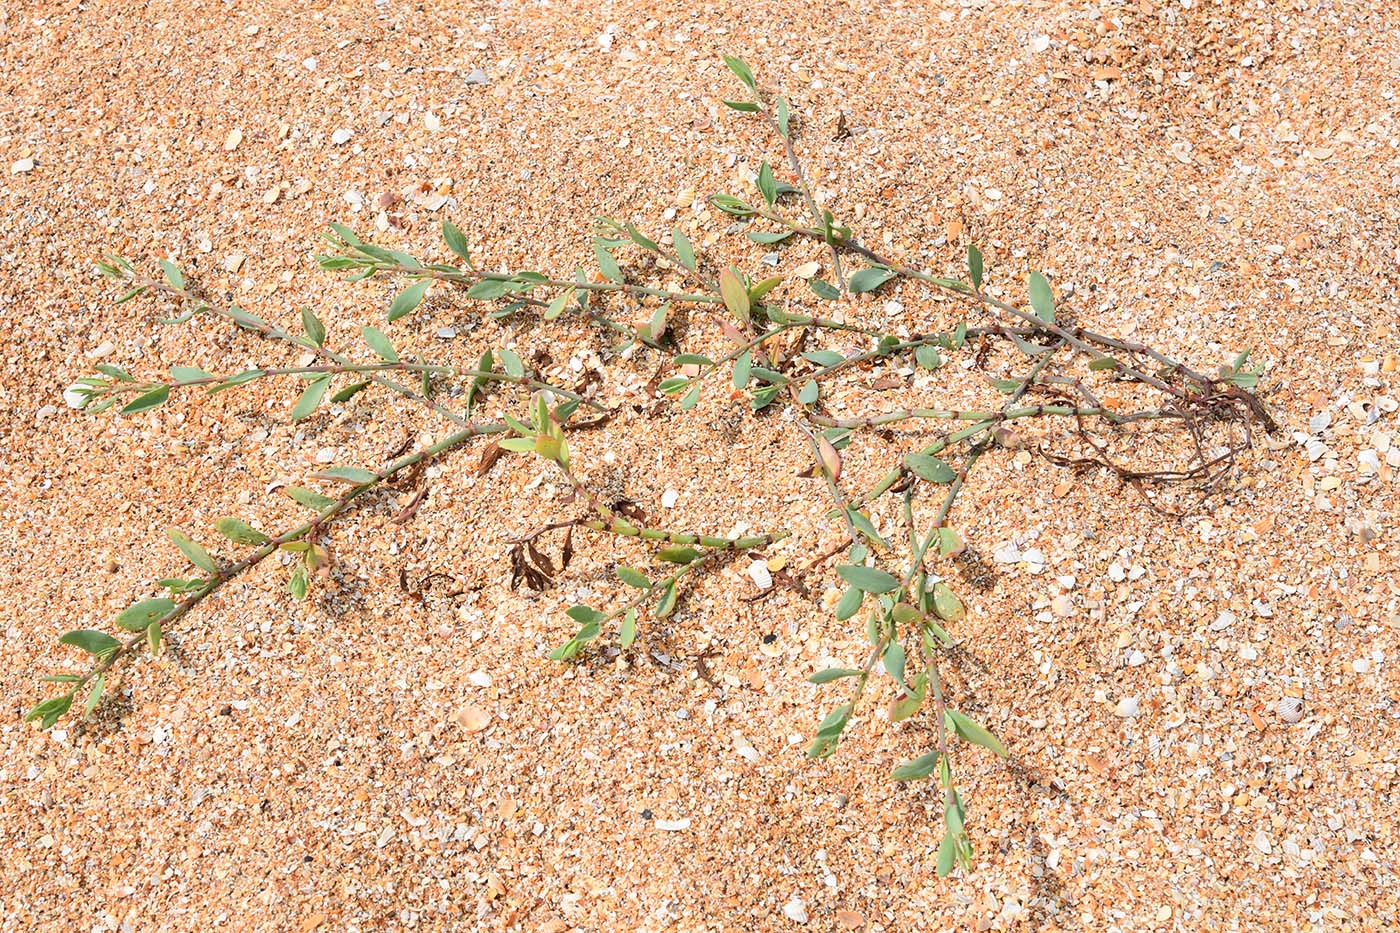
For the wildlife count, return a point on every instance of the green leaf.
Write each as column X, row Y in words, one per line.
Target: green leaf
column 735, row 295
column 765, row 238
column 488, row 290
column 121, row 375
column 668, row 601
column 173, row 275
column 184, row 374
column 153, row 636
column 238, row 379
column 735, row 207
column 349, row 392
column 784, row 117
column 298, row 585
column 918, row 769
column 743, row 106
column 823, row 289
column 1103, row 362
column 863, row 524
column 315, row 330
column 310, row 398
column 147, row 401
column 684, row 251
column 893, row 660
column 193, row 550
column 948, row 542
column 606, row 263
column 240, row 532
column 849, row 604
column 50, row 711
column 947, row 852
column 743, row 366
column 929, row 467
column 633, row 578
column 946, row 604
column 810, row 393
column 557, row 306
column 628, row 630
column 456, row 241
column 93, row 642
column 641, row 239
column 741, row 71
column 136, row 617
column 678, row 555
column 60, row 678
column 95, row 694
column 766, row 185
column 379, row 342
column 511, row 361
column 829, row 732
column 833, row 673
column 974, row 265
column 1042, row 298
column 928, row 357
column 823, row 358
column 673, row 384
column 692, row 359
column 519, row 445
column 409, row 298
column 692, row 398
column 869, row 279
column 970, row 731
column 868, row 579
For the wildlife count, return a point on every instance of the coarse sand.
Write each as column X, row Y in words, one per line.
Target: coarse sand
column 1202, row 714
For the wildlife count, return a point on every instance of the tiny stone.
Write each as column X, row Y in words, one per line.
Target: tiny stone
column 759, row 573
column 1262, row 843
column 105, row 348
column 478, row 77
column 673, row 826
column 325, row 455
column 668, row 498
column 795, row 910
column 22, row 166
column 341, row 137
column 231, row 141
column 479, row 679
column 1062, row 605
column 1127, row 708
column 447, row 333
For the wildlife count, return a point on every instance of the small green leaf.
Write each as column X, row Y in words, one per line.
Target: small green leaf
column 147, row 401
column 684, row 251
column 310, row 499
column 692, row 398
column 298, row 585
column 849, row 604
column 929, row 467
column 1042, row 298
column 743, row 366
column 628, row 630
column 633, row 578
column 743, row 106
column 765, row 238
column 456, row 241
column 153, row 637
column 93, row 642
column 741, row 71
column 833, row 673
column 869, row 279
column 829, row 732
column 810, row 393
column 173, row 275
column 95, row 694
column 668, row 601
column 735, row 295
column 193, row 550
column 350, row 391
column 1102, row 363
column 310, row 398
column 678, row 555
column 511, row 361
column 136, row 617
column 918, row 769
column 946, row 604
column 315, row 330
column 121, row 375
column 928, row 357
column 606, row 263
column 947, row 852
column 766, row 184
column 185, row 374
column 519, row 445
column 868, row 579
column 557, row 306
column 823, row 289
column 379, row 342
column 50, row 711
column 487, row 290
column 823, row 358
column 784, row 117
column 893, row 661
column 239, row 531
column 409, row 299
column 974, row 265
column 970, row 731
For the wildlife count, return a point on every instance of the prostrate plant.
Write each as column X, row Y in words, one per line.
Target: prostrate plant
column 899, row 586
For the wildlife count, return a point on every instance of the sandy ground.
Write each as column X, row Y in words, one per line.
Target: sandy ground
column 1206, row 176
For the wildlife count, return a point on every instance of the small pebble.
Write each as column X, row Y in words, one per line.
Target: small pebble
column 21, row 166
column 795, row 910
column 1127, row 708
column 478, row 77
column 341, row 137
